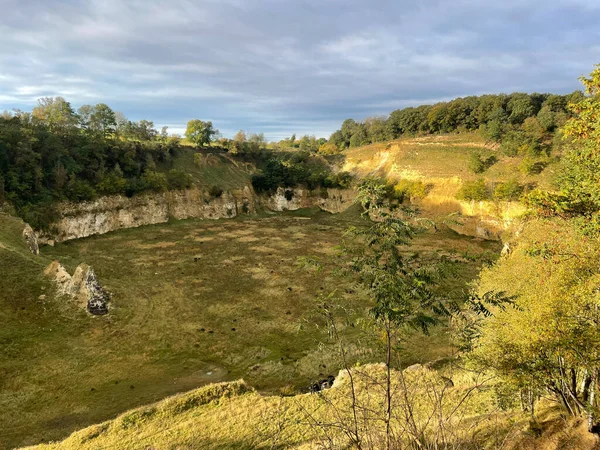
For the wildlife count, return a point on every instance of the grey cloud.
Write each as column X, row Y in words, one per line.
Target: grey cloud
column 283, row 66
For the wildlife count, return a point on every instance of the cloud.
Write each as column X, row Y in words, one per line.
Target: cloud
column 283, row 66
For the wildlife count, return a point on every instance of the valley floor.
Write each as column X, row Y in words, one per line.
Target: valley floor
column 193, row 302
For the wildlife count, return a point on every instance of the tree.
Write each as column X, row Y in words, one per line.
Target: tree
column 57, row 113
column 200, row 133
column 257, row 138
column 240, row 136
column 85, row 113
column 399, row 286
column 581, row 176
column 103, row 120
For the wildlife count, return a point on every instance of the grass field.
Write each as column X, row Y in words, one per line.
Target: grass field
column 194, row 302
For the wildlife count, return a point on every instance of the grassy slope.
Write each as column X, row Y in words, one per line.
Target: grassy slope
column 212, row 169
column 444, row 156
column 234, row 416
column 66, row 369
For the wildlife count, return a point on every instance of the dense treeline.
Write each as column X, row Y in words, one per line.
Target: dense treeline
column 520, row 121
column 55, row 153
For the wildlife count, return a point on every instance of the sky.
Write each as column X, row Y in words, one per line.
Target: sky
column 288, row 66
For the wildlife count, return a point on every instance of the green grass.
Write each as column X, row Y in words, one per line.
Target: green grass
column 65, row 369
column 212, row 169
column 445, row 156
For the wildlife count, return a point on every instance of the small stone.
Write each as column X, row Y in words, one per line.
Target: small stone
column 42, row 297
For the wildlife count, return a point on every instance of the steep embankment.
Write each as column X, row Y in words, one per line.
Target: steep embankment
column 442, row 164
column 234, row 416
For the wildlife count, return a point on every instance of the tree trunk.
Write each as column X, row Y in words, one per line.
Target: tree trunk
column 388, row 387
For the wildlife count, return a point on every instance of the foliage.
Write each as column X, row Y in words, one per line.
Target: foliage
column 549, row 342
column 200, row 133
column 215, row 191
column 54, row 154
column 523, row 123
column 473, row 190
column 477, row 164
column 510, row 190
column 299, row 168
column 409, row 189
column 178, row 179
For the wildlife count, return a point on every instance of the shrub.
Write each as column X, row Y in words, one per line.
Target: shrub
column 80, row 190
column 215, row 191
column 408, row 189
column 476, row 164
column 479, row 165
column 473, row 190
column 530, row 165
column 112, row 184
column 511, row 190
column 154, row 181
column 177, row 179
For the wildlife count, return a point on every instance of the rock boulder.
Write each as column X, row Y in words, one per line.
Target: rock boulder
column 31, row 239
column 83, row 287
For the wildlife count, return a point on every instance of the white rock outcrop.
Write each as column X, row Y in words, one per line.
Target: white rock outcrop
column 83, row 287
column 31, row 239
column 288, row 199
column 78, row 220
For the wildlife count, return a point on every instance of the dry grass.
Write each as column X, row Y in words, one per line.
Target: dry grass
column 234, row 416
column 189, row 307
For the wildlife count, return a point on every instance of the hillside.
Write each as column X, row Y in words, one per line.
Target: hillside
column 234, row 416
column 196, row 302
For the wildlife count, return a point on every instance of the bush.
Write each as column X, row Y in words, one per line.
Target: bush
column 80, row 190
column 177, row 179
column 476, row 164
column 154, row 181
column 529, row 166
column 112, row 184
column 479, row 165
column 215, row 191
column 473, row 190
column 510, row 191
column 408, row 189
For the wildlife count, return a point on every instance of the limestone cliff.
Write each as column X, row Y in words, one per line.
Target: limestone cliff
column 331, row 200
column 485, row 219
column 115, row 212
column 112, row 213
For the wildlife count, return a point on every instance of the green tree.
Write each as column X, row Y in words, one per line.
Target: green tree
column 103, row 120
column 57, row 113
column 200, row 133
column 399, row 286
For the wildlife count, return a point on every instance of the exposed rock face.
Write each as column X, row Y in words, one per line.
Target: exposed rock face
column 31, row 238
column 332, row 200
column 115, row 212
column 83, row 287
